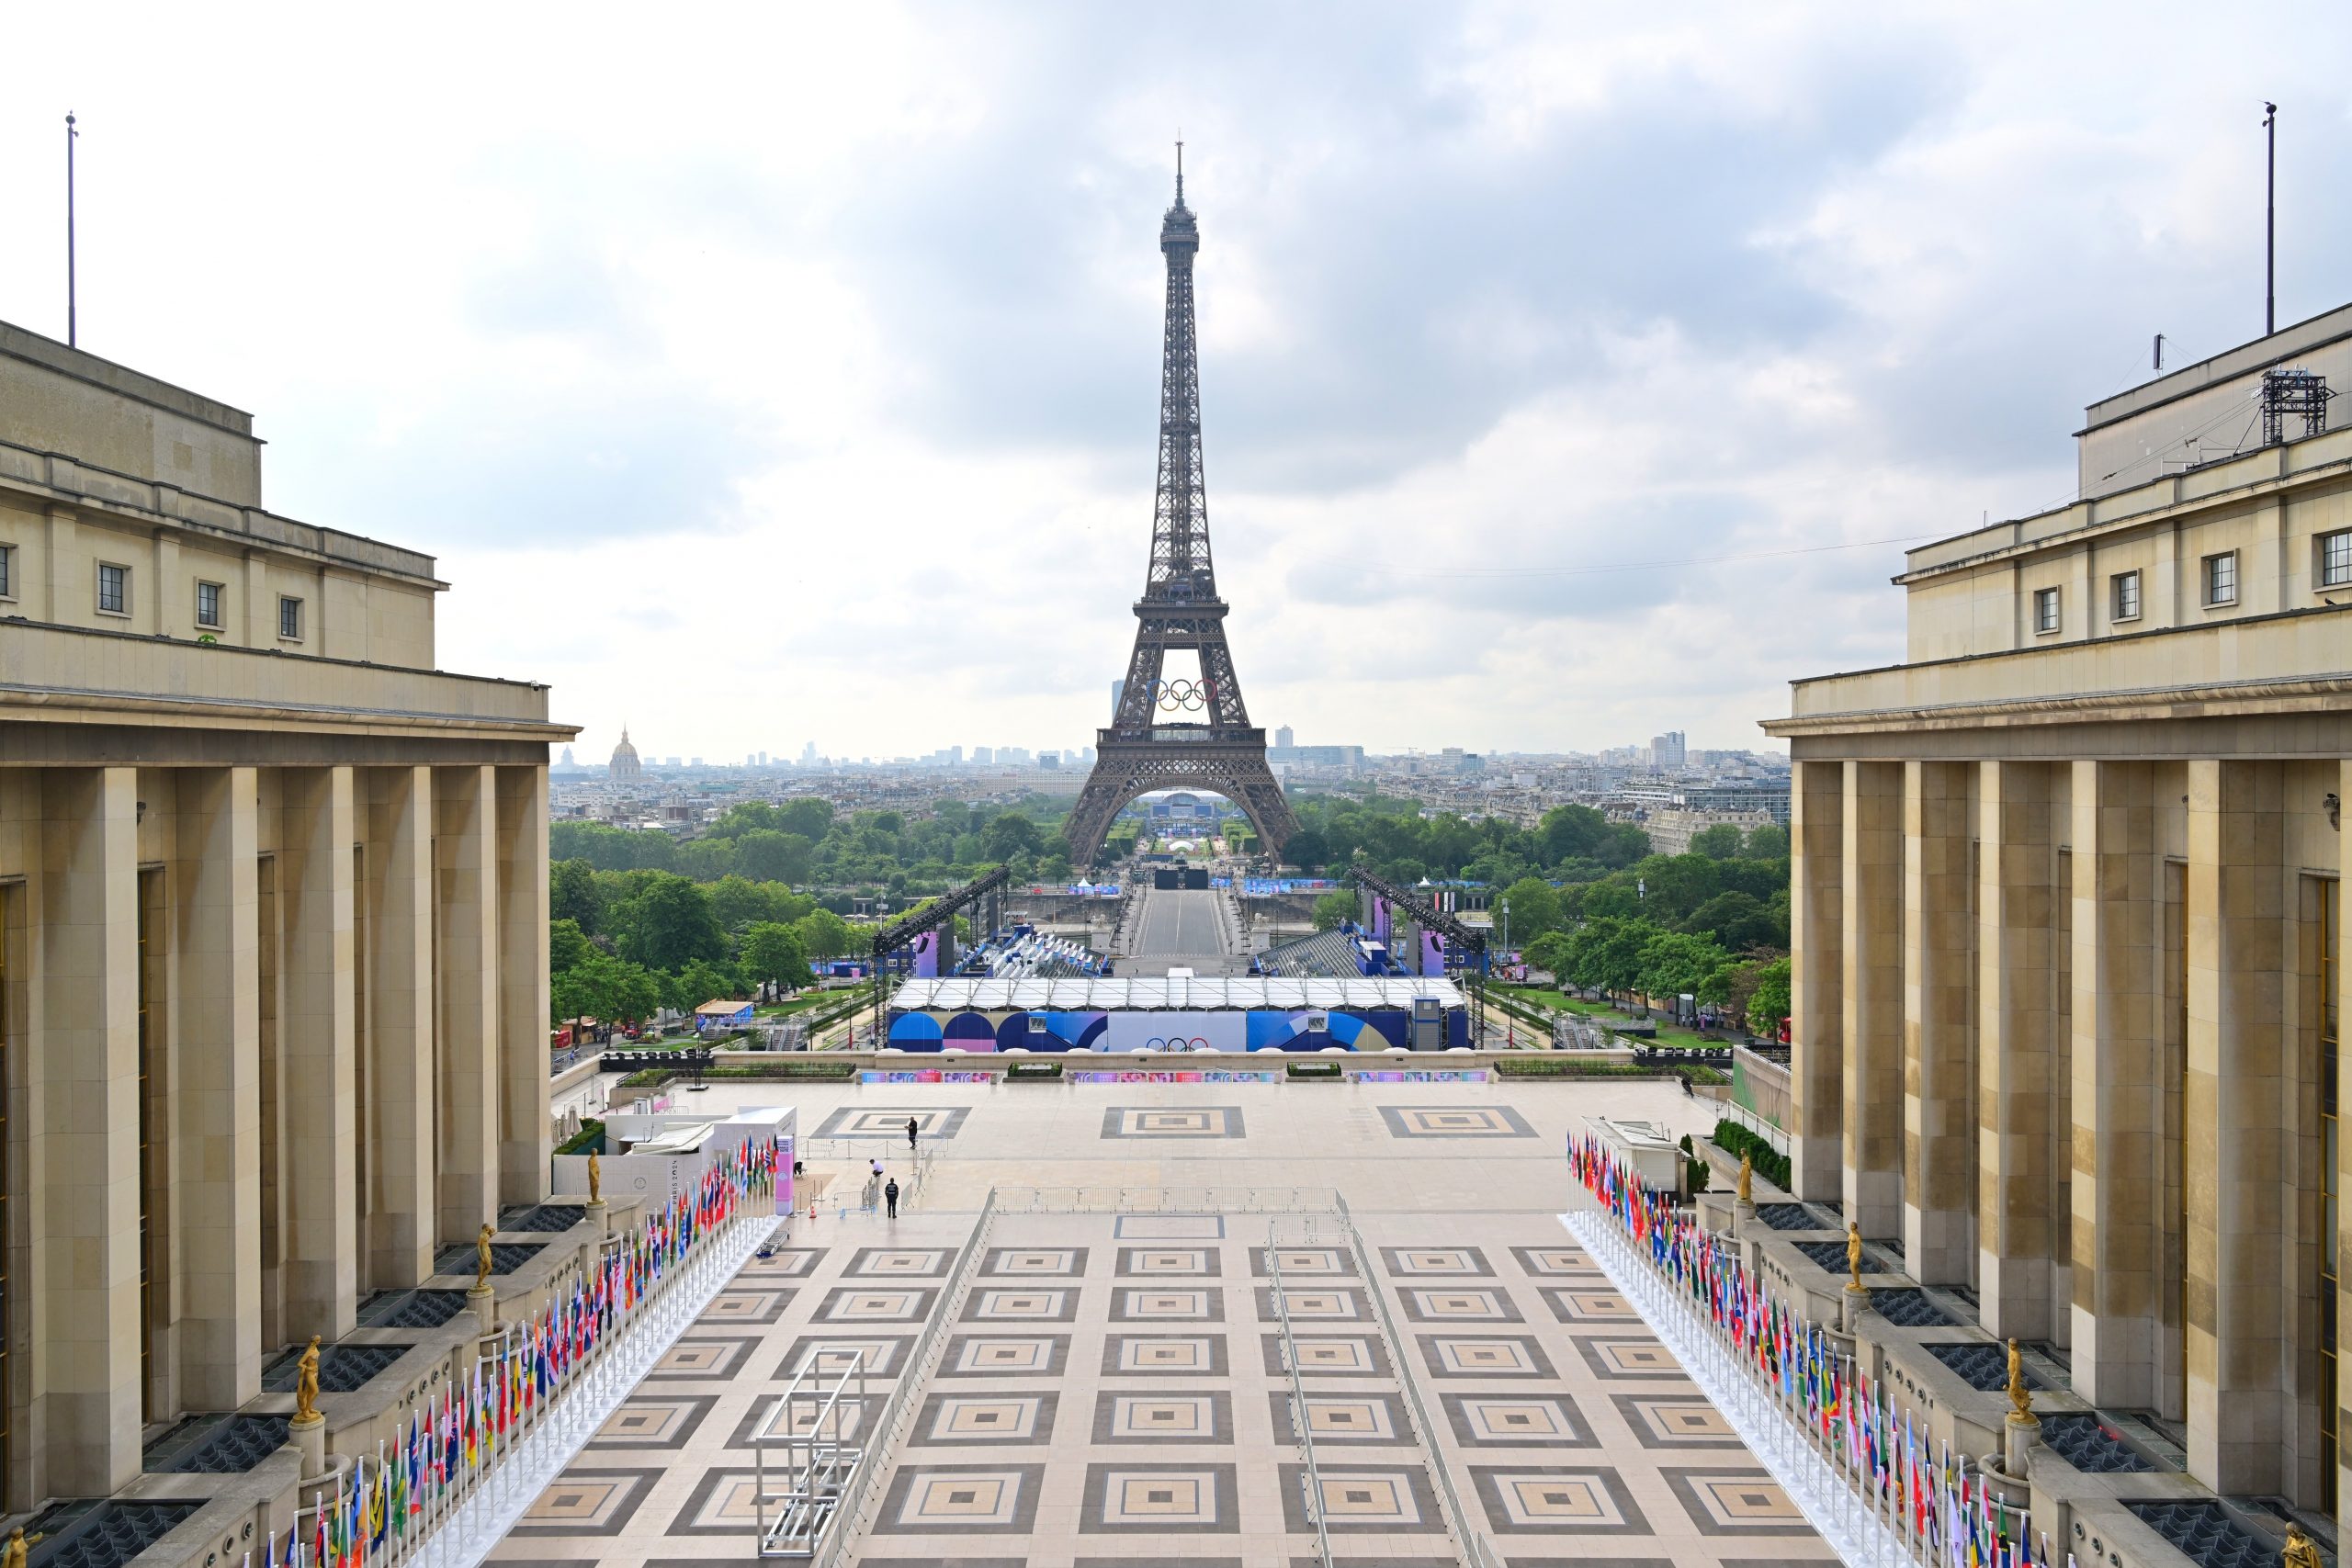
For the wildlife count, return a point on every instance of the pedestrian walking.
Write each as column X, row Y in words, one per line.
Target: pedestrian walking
column 877, row 1170
column 890, row 1196
column 911, row 1135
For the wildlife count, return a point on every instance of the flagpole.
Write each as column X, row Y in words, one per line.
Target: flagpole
column 72, row 330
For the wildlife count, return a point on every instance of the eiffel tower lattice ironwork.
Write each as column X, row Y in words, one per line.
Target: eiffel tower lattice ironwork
column 1180, row 734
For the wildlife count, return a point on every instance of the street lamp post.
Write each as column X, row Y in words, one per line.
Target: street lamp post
column 1510, row 1028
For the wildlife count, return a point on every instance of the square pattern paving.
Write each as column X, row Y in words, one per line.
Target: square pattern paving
column 1156, row 1121
column 1117, row 1389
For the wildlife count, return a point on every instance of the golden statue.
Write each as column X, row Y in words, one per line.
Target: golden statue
column 481, row 1260
column 1854, row 1255
column 2301, row 1551
column 306, row 1386
column 1747, row 1175
column 595, row 1178
column 2021, row 1401
column 13, row 1555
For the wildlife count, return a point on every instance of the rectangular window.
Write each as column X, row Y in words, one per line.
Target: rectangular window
column 2045, row 610
column 289, row 619
column 114, row 589
column 2124, row 601
column 2221, row 578
column 2335, row 560
column 7, row 571
column 207, row 606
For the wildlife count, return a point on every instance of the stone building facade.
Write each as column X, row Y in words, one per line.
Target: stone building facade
column 273, row 922
column 2069, row 929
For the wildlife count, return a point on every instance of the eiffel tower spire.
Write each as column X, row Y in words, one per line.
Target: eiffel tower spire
column 1180, row 734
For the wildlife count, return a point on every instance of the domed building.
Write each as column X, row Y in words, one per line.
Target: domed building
column 625, row 764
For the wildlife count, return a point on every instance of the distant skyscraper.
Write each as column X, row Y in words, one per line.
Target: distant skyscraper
column 809, row 755
column 1282, row 737
column 983, row 754
column 1667, row 750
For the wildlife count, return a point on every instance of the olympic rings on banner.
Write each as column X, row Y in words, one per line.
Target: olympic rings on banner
column 1199, row 1043
column 1155, row 1044
column 1181, row 694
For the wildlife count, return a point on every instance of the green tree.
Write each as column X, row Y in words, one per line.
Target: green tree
column 764, row 855
column 1719, row 842
column 566, row 945
column 1768, row 1006
column 824, row 934
column 1009, row 835
column 703, row 981
column 771, row 952
column 811, row 818
column 604, row 988
column 1738, row 921
column 1605, row 955
column 1306, row 850
column 1534, row 910
column 1333, row 907
column 611, row 849
column 1769, row 842
column 1675, row 963
column 573, row 894
column 668, row 924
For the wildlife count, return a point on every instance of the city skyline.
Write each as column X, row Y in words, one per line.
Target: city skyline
column 847, row 332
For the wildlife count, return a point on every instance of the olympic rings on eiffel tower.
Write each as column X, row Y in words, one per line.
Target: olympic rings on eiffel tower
column 1189, row 695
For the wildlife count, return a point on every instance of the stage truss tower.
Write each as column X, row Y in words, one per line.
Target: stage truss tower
column 1181, row 734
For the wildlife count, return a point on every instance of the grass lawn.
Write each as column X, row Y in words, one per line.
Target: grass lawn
column 1667, row 1034
column 800, row 1003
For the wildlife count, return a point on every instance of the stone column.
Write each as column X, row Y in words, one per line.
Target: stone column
column 2014, row 1225
column 1871, row 908
column 1938, row 1020
column 465, row 811
column 2343, row 1000
column 1817, row 1005
column 216, row 946
column 2117, row 1089
column 82, row 1126
column 314, row 882
column 525, row 1139
column 402, row 1228
column 2237, row 1130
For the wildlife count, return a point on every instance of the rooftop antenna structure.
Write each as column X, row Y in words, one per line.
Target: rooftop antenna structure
column 2293, row 394
column 2159, row 364
column 2270, row 224
column 72, row 136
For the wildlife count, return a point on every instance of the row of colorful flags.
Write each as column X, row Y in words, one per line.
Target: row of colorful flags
column 455, row 1431
column 1953, row 1518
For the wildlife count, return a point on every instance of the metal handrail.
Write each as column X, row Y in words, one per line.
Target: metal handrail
column 1167, row 1200
column 1474, row 1549
column 1299, row 1420
column 921, row 1358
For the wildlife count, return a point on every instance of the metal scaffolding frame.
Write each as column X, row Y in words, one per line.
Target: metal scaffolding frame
column 810, row 1425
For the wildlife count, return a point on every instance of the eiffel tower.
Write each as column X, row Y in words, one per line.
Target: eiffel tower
column 1180, row 734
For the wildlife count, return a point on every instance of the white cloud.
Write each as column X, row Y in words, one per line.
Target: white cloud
column 766, row 376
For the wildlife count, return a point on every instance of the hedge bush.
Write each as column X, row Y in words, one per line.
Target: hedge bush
column 1735, row 1139
column 589, row 1140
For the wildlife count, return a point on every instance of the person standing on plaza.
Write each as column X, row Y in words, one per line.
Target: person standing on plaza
column 891, row 1195
column 911, row 1135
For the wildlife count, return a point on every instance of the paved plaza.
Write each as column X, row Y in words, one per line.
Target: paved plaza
column 1111, row 1387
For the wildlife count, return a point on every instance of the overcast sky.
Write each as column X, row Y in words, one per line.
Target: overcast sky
column 792, row 376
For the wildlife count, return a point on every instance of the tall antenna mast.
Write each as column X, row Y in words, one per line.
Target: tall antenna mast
column 71, row 136
column 2270, row 225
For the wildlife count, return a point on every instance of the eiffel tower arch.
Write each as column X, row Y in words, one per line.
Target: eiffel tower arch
column 1181, row 734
